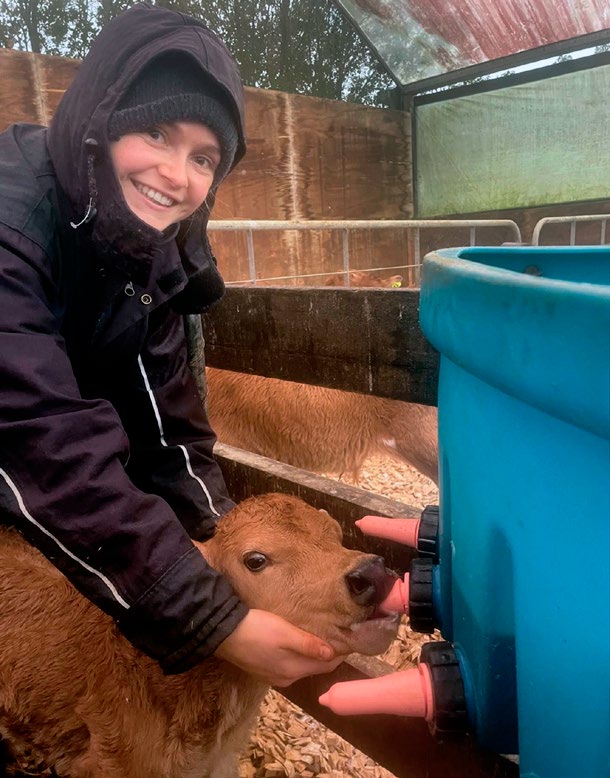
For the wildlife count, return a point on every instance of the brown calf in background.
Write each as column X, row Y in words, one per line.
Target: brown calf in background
column 319, row 429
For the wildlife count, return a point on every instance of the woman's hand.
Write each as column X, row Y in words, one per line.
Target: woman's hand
column 270, row 647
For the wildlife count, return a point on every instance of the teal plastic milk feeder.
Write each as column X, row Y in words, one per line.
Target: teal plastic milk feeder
column 524, row 431
column 517, row 570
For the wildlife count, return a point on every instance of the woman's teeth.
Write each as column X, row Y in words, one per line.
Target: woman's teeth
column 153, row 195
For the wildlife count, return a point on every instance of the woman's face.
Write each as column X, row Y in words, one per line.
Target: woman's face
column 166, row 172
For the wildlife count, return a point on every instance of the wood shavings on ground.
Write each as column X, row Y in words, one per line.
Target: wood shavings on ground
column 287, row 742
column 397, row 480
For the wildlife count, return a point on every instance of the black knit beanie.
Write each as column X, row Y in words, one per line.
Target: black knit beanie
column 172, row 89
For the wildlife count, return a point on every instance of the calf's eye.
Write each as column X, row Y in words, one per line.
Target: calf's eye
column 255, row 561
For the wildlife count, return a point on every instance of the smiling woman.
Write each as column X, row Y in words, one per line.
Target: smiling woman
column 165, row 173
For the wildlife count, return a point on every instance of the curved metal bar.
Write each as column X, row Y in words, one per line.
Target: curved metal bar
column 571, row 220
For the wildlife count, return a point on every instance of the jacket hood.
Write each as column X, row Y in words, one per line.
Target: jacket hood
column 79, row 129
column 79, row 147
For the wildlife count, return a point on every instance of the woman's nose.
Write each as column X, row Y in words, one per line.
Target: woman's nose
column 174, row 170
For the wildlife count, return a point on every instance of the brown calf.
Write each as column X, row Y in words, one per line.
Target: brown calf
column 75, row 696
column 319, row 429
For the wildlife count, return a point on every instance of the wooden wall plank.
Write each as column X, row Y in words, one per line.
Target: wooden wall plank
column 350, row 160
column 363, row 340
column 55, row 76
column 31, row 86
column 19, row 94
column 311, row 158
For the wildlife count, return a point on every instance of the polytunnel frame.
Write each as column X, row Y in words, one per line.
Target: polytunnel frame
column 411, row 100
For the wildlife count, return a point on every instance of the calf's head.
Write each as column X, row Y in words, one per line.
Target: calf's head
column 283, row 556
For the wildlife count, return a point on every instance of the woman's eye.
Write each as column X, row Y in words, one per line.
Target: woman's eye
column 255, row 561
column 154, row 133
column 203, row 162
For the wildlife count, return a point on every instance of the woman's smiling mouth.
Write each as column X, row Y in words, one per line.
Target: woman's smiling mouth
column 158, row 198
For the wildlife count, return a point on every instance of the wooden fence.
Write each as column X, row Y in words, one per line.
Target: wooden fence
column 369, row 341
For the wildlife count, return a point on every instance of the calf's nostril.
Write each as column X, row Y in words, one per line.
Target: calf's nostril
column 369, row 583
column 361, row 588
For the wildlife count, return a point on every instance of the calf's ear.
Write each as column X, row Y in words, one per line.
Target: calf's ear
column 203, row 550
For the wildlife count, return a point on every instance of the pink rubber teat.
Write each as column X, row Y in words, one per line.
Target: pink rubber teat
column 406, row 693
column 397, row 600
column 401, row 530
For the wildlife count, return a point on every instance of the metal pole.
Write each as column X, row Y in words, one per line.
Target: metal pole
column 195, row 345
column 346, row 257
column 250, row 226
column 417, row 263
column 251, row 261
column 221, row 225
column 573, row 220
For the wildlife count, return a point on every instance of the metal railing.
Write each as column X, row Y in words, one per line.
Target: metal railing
column 251, row 226
column 572, row 221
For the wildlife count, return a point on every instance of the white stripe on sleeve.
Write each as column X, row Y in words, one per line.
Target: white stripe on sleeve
column 182, row 448
column 13, row 487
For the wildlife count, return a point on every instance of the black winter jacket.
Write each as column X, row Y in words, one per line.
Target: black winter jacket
column 105, row 451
